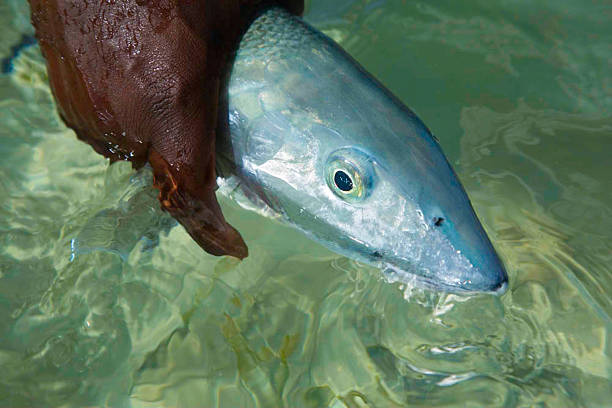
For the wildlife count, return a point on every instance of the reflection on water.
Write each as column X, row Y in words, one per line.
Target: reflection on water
column 104, row 301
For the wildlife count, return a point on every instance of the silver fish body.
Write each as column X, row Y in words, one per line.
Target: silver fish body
column 335, row 154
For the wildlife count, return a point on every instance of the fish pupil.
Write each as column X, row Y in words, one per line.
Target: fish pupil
column 343, row 181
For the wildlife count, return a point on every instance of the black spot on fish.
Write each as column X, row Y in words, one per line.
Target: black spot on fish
column 25, row 42
column 437, row 221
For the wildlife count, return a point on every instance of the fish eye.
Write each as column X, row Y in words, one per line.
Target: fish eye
column 349, row 174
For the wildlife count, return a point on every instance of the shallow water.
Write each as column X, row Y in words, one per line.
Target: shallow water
column 105, row 301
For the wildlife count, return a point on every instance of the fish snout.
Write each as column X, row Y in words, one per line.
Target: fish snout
column 491, row 278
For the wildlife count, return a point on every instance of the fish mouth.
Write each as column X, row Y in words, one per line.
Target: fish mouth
column 495, row 283
column 457, row 275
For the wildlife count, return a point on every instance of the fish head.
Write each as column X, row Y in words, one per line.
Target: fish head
column 346, row 162
column 389, row 201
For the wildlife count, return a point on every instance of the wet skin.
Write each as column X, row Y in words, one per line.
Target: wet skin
column 145, row 81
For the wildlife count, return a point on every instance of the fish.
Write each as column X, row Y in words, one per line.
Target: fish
column 319, row 143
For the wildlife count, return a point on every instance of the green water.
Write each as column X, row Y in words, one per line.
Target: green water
column 104, row 301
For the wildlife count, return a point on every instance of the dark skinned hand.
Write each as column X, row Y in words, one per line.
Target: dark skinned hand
column 145, row 81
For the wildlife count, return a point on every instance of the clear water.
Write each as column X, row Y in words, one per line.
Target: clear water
column 104, row 301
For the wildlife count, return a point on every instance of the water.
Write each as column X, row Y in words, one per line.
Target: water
column 105, row 301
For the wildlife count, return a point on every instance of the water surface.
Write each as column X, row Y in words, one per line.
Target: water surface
column 104, row 300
